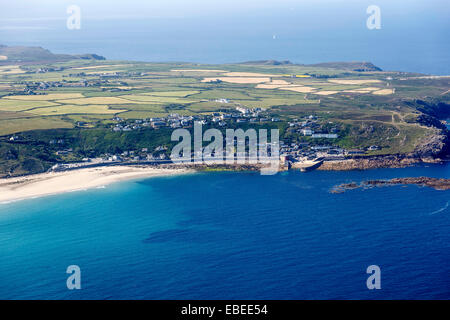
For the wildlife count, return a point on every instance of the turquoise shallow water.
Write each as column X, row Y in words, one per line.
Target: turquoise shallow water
column 232, row 236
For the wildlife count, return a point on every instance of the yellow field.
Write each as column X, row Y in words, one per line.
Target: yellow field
column 345, row 81
column 75, row 109
column 250, row 74
column 384, row 92
column 100, row 66
column 326, row 93
column 180, row 94
column 357, row 91
column 96, row 100
column 105, row 72
column 197, row 70
column 274, row 84
column 267, row 103
column 283, row 82
column 362, row 90
column 368, row 89
column 11, row 70
column 240, row 80
column 155, row 99
column 46, row 97
column 300, row 89
column 15, row 106
column 120, row 87
column 269, row 86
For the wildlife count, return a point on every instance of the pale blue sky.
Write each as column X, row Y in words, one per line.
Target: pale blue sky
column 101, row 9
column 413, row 37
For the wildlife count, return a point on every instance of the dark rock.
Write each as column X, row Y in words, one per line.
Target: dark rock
column 436, row 146
column 435, row 183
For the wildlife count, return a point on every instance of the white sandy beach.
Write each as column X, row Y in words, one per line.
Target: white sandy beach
column 13, row 189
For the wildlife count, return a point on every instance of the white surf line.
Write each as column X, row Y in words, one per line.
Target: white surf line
column 441, row 209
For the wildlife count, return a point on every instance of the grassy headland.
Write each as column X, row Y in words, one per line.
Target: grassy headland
column 62, row 108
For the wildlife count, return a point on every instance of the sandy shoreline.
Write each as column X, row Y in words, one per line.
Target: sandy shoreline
column 44, row 184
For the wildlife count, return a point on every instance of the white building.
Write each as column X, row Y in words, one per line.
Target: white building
column 243, row 110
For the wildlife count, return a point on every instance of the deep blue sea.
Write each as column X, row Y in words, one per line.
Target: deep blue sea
column 232, row 236
column 413, row 37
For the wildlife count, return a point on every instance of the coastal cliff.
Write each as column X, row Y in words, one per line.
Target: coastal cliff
column 435, row 146
column 431, row 149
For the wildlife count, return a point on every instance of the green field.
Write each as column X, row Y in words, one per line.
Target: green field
column 7, row 126
column 136, row 90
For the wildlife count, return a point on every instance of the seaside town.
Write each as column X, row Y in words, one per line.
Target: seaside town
column 316, row 137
